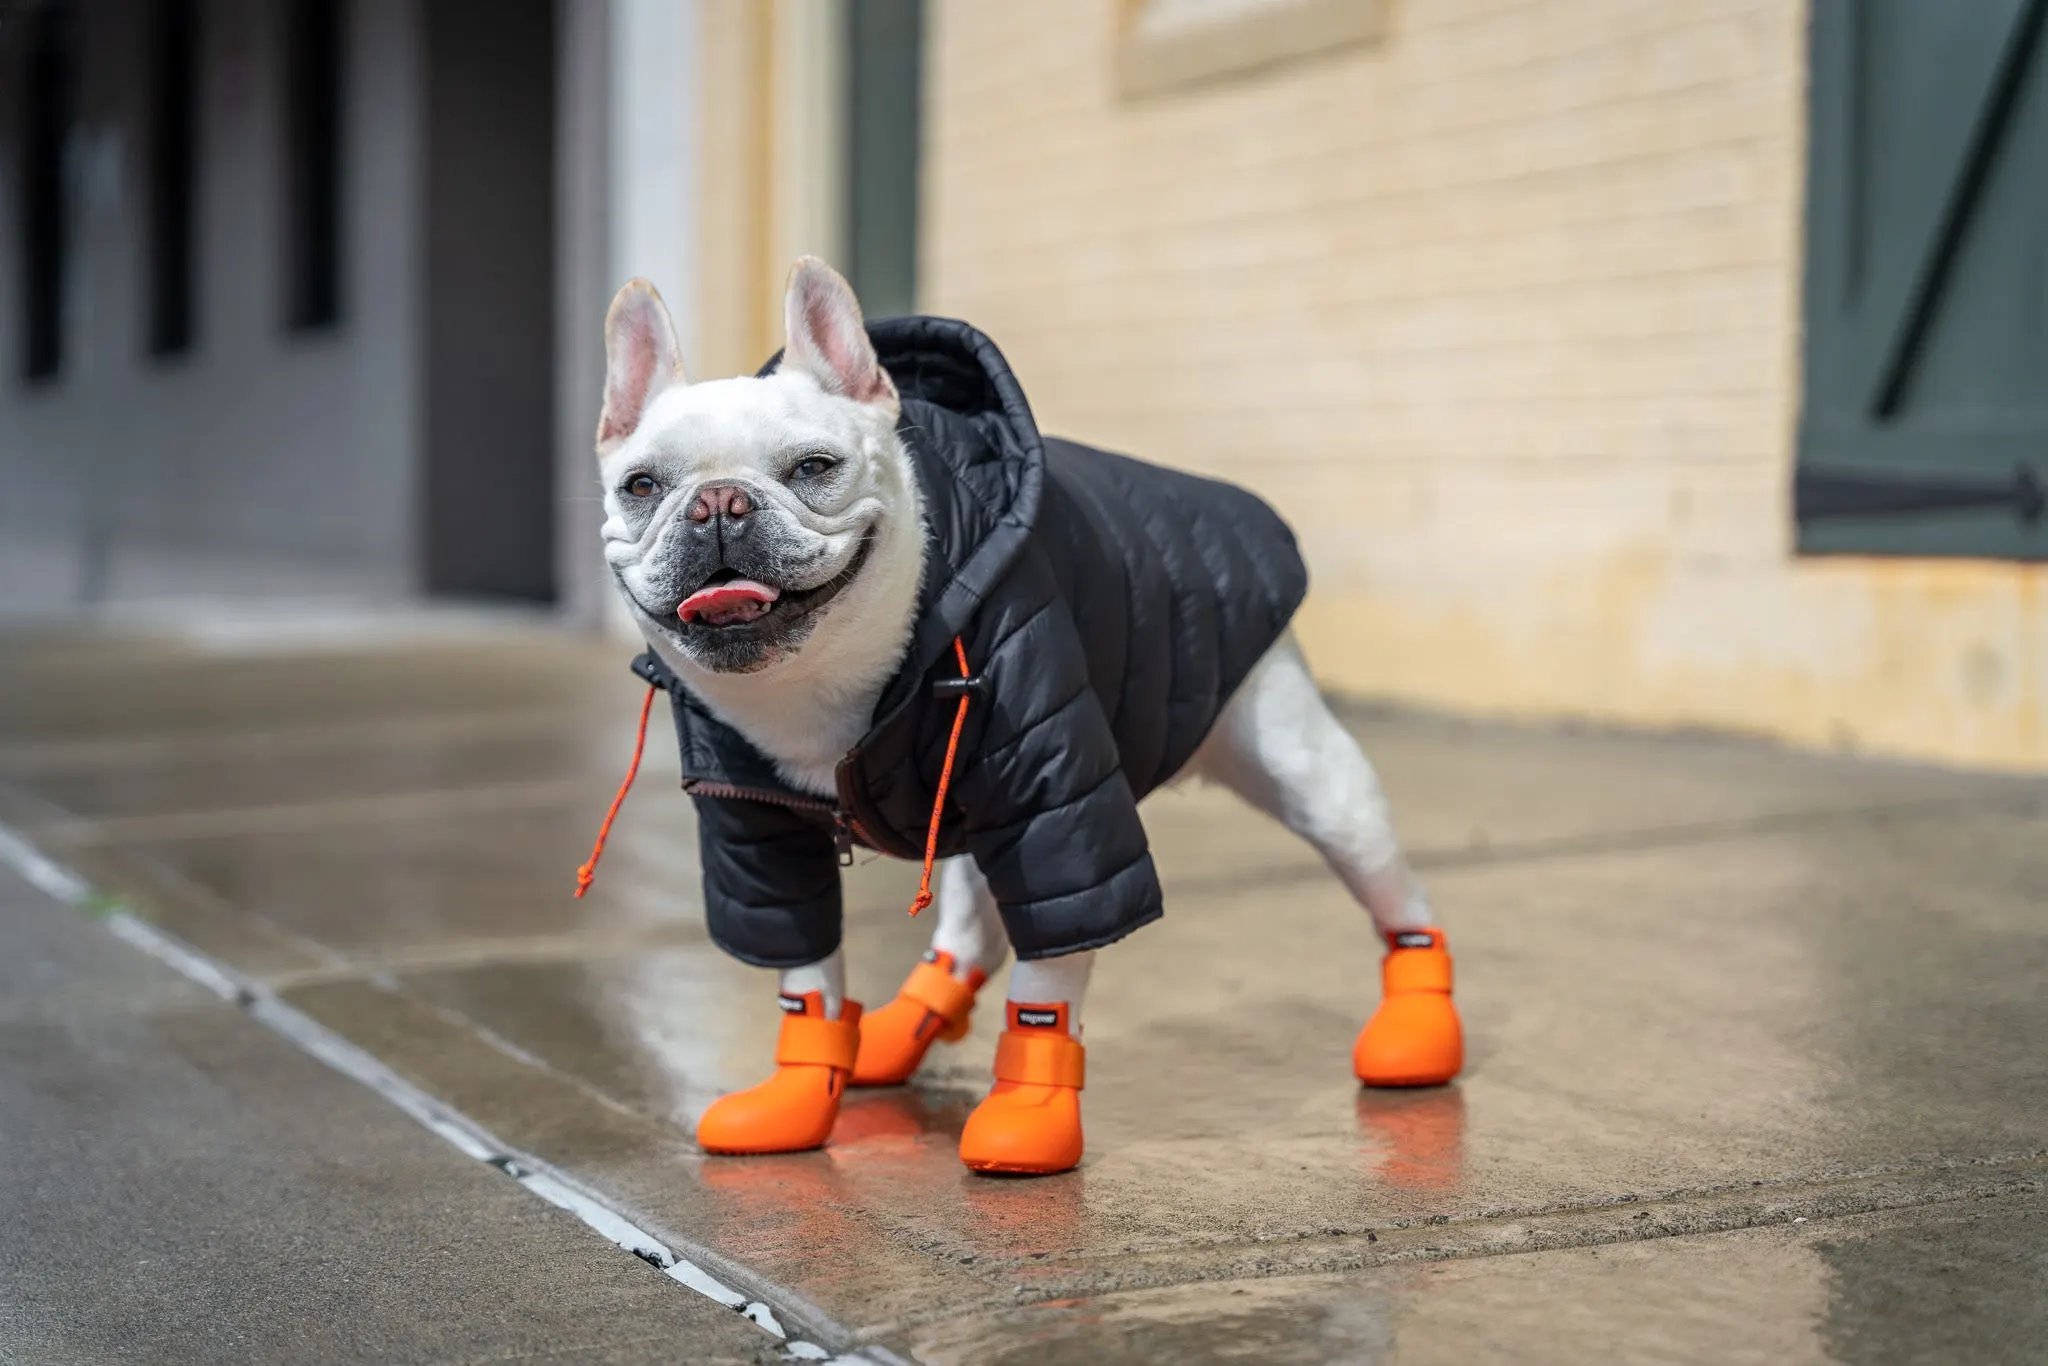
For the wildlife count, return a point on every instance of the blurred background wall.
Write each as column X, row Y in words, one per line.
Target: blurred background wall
column 209, row 359
column 1673, row 364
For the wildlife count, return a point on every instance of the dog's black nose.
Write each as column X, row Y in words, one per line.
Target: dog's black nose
column 720, row 500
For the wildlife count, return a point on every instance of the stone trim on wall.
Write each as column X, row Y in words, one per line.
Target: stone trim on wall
column 1158, row 52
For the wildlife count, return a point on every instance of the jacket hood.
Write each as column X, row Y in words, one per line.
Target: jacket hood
column 1109, row 607
column 980, row 464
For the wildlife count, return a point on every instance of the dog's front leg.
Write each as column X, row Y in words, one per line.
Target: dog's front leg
column 796, row 1107
column 936, row 1000
column 826, row 978
column 1030, row 1122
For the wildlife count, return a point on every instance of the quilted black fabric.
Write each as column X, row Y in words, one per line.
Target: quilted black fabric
column 1109, row 608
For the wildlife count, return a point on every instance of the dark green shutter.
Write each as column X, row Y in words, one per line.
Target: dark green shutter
column 884, row 80
column 1925, row 424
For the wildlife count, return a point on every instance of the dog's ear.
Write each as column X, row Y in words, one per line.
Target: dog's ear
column 827, row 339
column 641, row 359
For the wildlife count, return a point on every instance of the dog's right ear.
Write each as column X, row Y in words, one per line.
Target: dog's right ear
column 641, row 359
column 827, row 338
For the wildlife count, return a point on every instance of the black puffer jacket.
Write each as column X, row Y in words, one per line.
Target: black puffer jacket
column 1108, row 607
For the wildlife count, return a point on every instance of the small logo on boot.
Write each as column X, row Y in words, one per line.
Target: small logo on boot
column 791, row 1005
column 1038, row 1019
column 1414, row 939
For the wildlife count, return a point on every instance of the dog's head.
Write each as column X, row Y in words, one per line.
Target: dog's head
column 744, row 515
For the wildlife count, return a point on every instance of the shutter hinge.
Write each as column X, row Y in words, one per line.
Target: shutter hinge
column 1821, row 493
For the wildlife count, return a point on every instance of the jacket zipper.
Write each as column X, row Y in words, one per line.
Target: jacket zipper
column 845, row 828
column 853, row 807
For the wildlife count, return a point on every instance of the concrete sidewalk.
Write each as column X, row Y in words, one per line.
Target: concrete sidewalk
column 179, row 1184
column 1756, row 1039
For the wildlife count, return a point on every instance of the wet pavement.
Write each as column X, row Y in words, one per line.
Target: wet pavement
column 179, row 1184
column 1758, row 1041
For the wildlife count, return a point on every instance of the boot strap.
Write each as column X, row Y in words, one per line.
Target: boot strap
column 823, row 1043
column 1416, row 970
column 938, row 991
column 1039, row 1058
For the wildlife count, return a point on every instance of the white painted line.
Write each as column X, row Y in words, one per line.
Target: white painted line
column 46, row 873
column 165, row 949
column 352, row 1062
column 450, row 1124
column 606, row 1221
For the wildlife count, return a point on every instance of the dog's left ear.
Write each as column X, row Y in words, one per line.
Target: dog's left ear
column 641, row 359
column 828, row 340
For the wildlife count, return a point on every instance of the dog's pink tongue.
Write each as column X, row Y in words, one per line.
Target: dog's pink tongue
column 724, row 603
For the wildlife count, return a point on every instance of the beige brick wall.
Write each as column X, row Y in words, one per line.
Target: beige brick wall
column 1502, row 312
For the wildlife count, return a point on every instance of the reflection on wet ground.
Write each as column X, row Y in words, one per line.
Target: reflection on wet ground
column 1959, row 1284
column 1754, row 1057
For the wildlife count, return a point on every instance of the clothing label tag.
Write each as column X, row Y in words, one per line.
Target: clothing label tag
column 1413, row 939
column 791, row 1005
column 1038, row 1019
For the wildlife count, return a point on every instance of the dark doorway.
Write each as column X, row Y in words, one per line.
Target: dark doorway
column 172, row 140
column 314, row 79
column 46, row 94
column 488, row 509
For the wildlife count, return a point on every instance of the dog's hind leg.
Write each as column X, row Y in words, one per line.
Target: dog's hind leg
column 1277, row 746
column 937, row 999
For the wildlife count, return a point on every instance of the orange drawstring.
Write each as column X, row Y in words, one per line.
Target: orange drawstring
column 931, row 838
column 588, row 872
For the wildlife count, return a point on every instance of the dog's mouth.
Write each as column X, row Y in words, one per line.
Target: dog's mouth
column 729, row 601
column 726, row 599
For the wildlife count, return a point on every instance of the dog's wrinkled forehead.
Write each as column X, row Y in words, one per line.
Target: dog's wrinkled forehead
column 740, row 427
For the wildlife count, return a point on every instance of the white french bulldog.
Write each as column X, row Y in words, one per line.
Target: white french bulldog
column 764, row 531
column 767, row 535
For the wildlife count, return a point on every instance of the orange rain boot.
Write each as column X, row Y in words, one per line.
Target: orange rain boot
column 1414, row 1038
column 1030, row 1124
column 794, row 1109
column 932, row 1004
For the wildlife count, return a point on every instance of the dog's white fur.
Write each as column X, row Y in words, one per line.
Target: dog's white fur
column 807, row 709
column 1275, row 744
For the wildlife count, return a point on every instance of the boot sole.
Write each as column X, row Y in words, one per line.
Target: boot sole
column 867, row 1082
column 1015, row 1168
column 1406, row 1083
column 759, row 1152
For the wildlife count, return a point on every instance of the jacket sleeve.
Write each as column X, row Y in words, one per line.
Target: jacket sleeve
column 771, row 882
column 1049, row 816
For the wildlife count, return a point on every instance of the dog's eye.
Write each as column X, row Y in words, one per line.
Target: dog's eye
column 642, row 486
column 812, row 467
